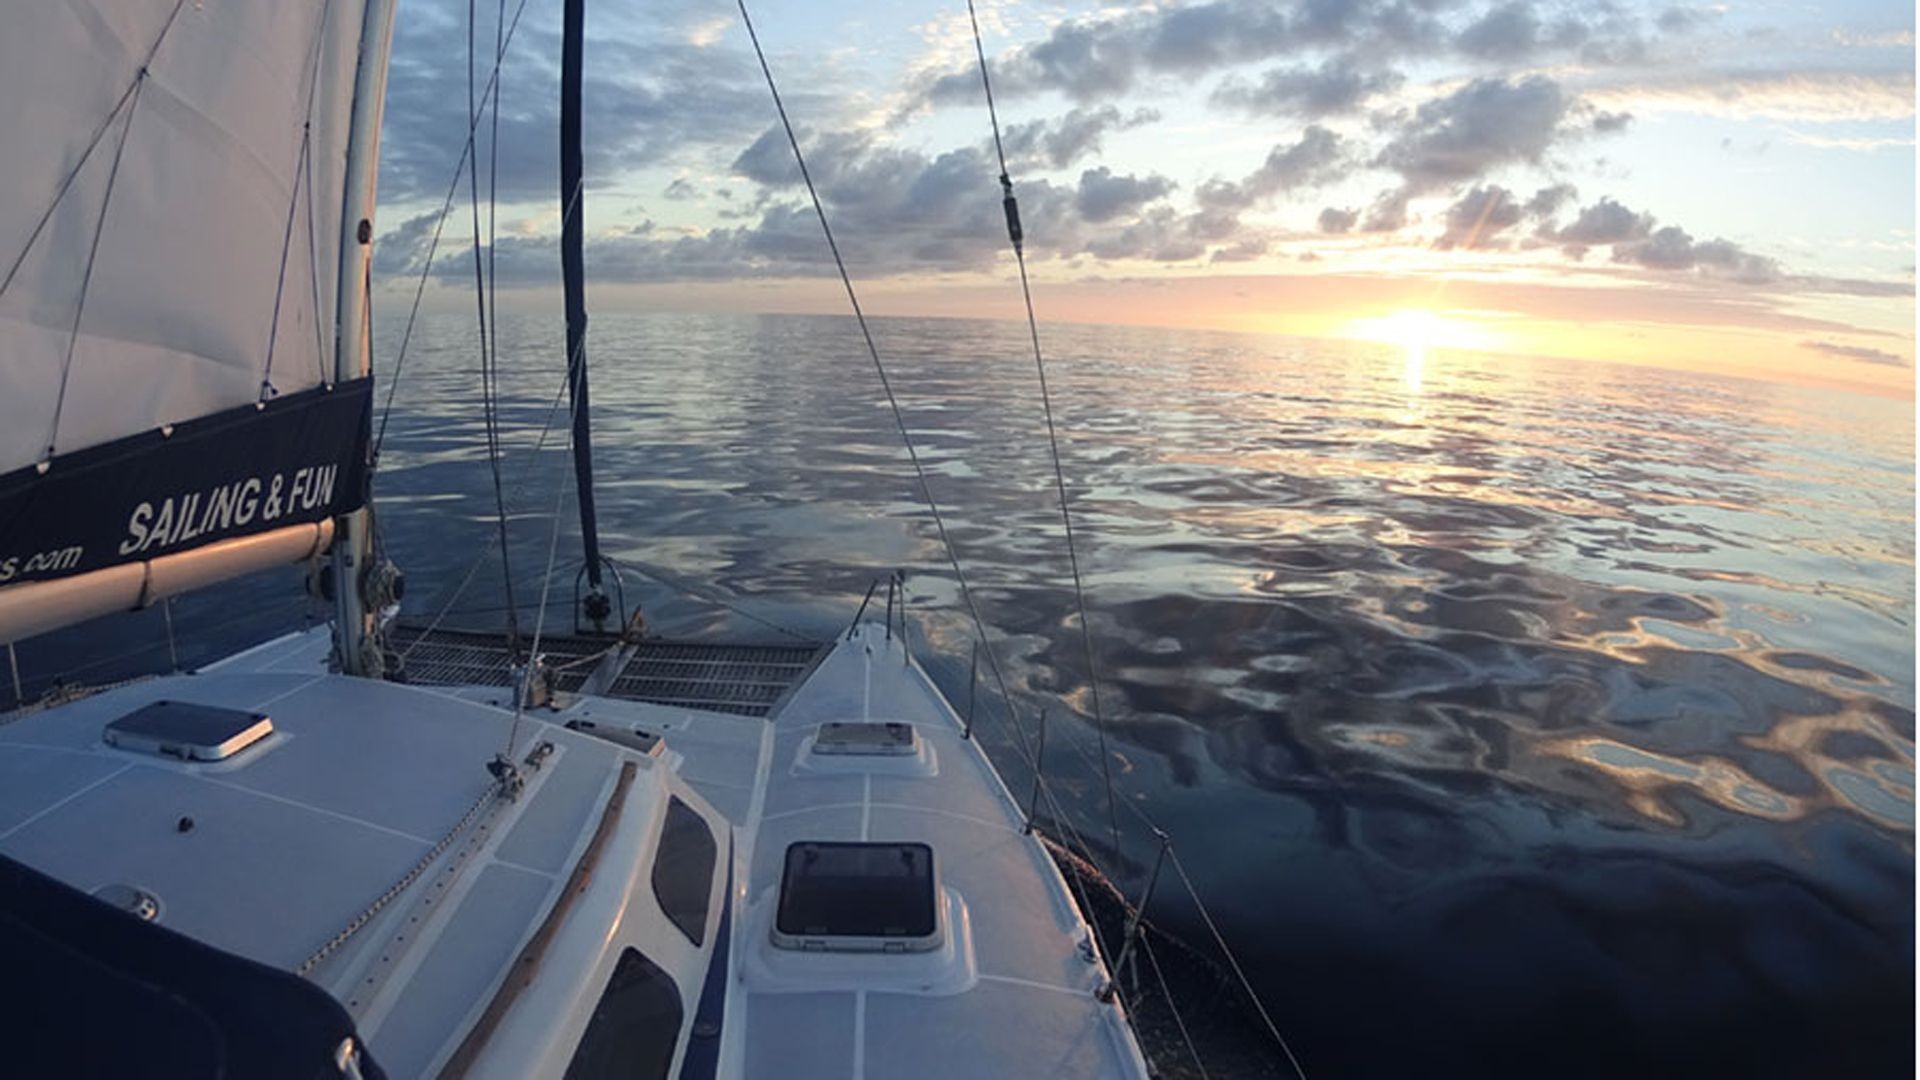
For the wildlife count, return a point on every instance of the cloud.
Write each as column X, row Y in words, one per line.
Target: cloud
column 646, row 94
column 1605, row 222
column 1387, row 214
column 1335, row 220
column 1636, row 238
column 1478, row 219
column 1808, row 96
column 1061, row 142
column 1859, row 353
column 1318, row 157
column 1672, row 248
column 1097, row 57
column 1484, row 124
column 1507, row 32
column 1103, row 196
column 1337, row 87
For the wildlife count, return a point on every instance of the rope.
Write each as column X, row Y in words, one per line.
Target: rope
column 546, row 586
column 301, row 169
column 1053, row 440
column 699, row 593
column 1146, row 946
column 99, row 133
column 93, row 253
column 446, row 207
column 489, row 408
column 1234, row 962
column 525, row 478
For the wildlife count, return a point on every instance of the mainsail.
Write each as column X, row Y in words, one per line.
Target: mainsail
column 185, row 196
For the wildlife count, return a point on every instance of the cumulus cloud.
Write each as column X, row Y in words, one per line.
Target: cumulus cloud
column 1335, row 220
column 1103, row 196
column 1636, row 238
column 1337, row 87
column 1099, row 56
column 1860, row 353
column 1478, row 219
column 1672, row 248
column 1061, row 142
column 1484, row 124
column 1605, row 222
column 1318, row 157
column 644, row 95
column 1808, row 96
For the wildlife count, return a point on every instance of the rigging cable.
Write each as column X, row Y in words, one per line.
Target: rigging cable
column 300, row 170
column 99, row 133
column 899, row 419
column 1014, row 234
column 433, row 246
column 873, row 351
column 489, row 406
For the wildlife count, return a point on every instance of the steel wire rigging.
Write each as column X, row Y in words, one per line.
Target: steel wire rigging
column 1017, row 237
column 1027, row 748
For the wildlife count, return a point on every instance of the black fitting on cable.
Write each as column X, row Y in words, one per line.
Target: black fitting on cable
column 1012, row 207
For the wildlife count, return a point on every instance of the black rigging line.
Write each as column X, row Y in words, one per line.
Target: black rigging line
column 93, row 252
column 99, row 133
column 1053, row 440
column 1026, row 746
column 488, row 387
column 286, row 246
column 300, row 171
column 440, row 223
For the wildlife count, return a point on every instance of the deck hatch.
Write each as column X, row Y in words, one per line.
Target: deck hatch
column 858, row 897
column 866, row 738
column 186, row 731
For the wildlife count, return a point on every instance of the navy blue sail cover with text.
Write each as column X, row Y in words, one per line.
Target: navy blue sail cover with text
column 296, row 459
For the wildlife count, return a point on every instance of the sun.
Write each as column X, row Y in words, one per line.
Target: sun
column 1418, row 330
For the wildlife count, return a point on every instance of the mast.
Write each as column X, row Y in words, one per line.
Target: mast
column 573, row 274
column 355, row 633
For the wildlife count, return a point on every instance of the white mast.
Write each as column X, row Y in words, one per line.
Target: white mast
column 355, row 637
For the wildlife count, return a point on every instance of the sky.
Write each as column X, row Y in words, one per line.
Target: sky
column 1721, row 187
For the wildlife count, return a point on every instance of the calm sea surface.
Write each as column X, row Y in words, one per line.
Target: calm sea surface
column 1516, row 718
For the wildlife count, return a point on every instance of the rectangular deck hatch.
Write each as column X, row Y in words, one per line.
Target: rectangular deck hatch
column 866, row 738
column 858, row 897
column 188, row 732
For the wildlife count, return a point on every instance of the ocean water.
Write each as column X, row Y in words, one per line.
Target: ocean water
column 1515, row 717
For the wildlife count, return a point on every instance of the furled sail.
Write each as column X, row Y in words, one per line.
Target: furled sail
column 172, row 226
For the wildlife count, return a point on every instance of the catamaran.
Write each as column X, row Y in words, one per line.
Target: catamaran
column 602, row 856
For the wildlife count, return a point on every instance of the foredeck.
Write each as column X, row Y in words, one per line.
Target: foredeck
column 1032, row 1009
column 1024, row 1001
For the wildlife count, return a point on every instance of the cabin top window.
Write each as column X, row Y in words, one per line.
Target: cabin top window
column 858, row 897
column 683, row 870
column 635, row 1027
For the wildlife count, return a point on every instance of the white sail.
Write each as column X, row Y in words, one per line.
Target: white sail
column 175, row 230
column 144, row 217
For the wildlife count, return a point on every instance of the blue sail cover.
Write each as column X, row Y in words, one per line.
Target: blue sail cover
column 95, row 991
column 297, row 459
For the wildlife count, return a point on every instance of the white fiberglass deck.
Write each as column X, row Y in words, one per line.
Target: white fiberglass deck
column 291, row 841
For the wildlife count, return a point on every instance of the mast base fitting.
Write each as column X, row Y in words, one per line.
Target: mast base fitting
column 596, row 606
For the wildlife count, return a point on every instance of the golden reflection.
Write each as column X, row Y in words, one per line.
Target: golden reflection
column 1418, row 331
